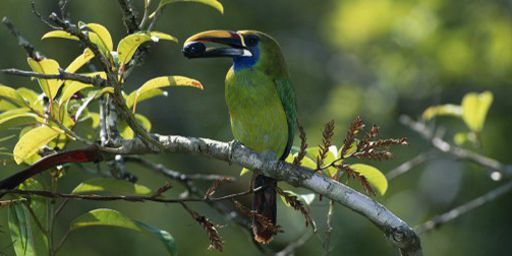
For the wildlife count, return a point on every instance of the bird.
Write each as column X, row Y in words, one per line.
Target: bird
column 261, row 103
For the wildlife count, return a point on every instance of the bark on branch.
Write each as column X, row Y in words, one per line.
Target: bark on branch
column 395, row 230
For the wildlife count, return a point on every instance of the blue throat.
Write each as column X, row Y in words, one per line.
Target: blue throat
column 241, row 62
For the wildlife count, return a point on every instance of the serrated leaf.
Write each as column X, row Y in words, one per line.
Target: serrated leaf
column 27, row 238
column 103, row 35
column 113, row 218
column 374, row 177
column 125, row 130
column 474, row 109
column 161, row 82
column 12, row 95
column 59, row 34
column 32, row 141
column 129, row 45
column 111, row 186
column 50, row 87
column 212, row 3
column 79, row 61
column 442, row 110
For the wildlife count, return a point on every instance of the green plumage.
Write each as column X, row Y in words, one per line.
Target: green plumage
column 261, row 101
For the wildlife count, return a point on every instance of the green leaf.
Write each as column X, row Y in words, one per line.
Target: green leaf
column 12, row 95
column 6, row 105
column 212, row 3
column 306, row 161
column 128, row 45
column 244, row 171
column 32, row 141
column 71, row 89
column 112, row 186
column 130, row 100
column 79, row 61
column 163, row 235
column 27, row 94
column 442, row 110
column 126, row 132
column 161, row 82
column 113, row 218
column 27, row 237
column 18, row 117
column 59, row 34
column 374, row 177
column 50, row 87
column 103, row 35
column 474, row 109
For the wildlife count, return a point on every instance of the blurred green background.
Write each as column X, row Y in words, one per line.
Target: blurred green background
column 374, row 58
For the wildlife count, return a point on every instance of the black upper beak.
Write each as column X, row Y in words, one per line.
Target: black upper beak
column 195, row 48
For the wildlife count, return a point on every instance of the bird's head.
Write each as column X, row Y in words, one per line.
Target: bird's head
column 248, row 48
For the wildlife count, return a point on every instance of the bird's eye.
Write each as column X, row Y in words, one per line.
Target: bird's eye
column 251, row 40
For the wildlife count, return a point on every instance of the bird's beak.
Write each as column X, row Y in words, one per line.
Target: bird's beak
column 194, row 47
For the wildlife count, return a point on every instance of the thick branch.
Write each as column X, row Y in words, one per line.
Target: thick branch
column 396, row 230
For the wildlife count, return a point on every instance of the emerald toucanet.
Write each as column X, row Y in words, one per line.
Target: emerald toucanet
column 261, row 103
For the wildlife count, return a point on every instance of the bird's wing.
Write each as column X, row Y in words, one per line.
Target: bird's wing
column 287, row 95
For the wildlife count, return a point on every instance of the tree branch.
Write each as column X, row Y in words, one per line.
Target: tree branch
column 63, row 75
column 439, row 220
column 405, row 167
column 29, row 48
column 460, row 153
column 396, row 230
column 129, row 16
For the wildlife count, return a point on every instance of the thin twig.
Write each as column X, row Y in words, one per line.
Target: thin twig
column 63, row 75
column 458, row 152
column 293, row 246
column 29, row 48
column 405, row 167
column 328, row 231
column 458, row 211
column 130, row 198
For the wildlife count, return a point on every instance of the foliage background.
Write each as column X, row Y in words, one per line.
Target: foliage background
column 376, row 58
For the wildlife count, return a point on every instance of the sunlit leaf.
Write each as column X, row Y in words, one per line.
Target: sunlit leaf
column 59, row 34
column 32, row 141
column 130, row 100
column 127, row 133
column 109, row 90
column 6, row 105
column 351, row 150
column 27, row 94
column 103, row 35
column 160, row 82
column 71, row 89
column 95, row 117
column 474, row 109
column 244, row 171
column 113, row 218
column 12, row 95
column 27, row 238
column 442, row 110
column 111, row 185
column 129, row 45
column 17, row 117
column 50, row 87
column 374, row 177
column 79, row 61
column 306, row 161
column 212, row 3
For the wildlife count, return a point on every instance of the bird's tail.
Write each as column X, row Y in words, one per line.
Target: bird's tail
column 264, row 203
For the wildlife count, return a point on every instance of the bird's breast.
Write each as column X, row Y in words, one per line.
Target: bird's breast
column 256, row 113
